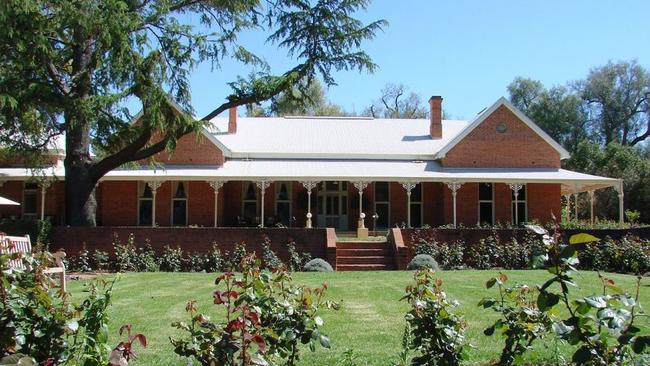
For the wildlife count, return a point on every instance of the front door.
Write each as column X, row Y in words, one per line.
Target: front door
column 333, row 205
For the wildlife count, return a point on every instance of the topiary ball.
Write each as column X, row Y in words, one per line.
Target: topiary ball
column 421, row 261
column 317, row 265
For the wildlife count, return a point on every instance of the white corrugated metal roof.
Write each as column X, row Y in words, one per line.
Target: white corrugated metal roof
column 350, row 170
column 332, row 137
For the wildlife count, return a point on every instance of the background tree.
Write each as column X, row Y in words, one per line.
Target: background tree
column 307, row 100
column 617, row 98
column 397, row 102
column 70, row 67
column 558, row 111
column 603, row 121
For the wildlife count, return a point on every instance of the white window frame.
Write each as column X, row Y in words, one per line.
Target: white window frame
column 245, row 185
column 33, row 191
column 485, row 201
column 383, row 202
column 520, row 201
column 420, row 202
column 289, row 185
column 186, row 185
column 139, row 192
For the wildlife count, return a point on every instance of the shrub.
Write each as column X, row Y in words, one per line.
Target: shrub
column 521, row 322
column 450, row 255
column 484, row 254
column 628, row 255
column 513, row 254
column 171, row 259
column 237, row 256
column 422, row 261
column 194, row 262
column 436, row 332
column 296, row 262
column 268, row 318
column 125, row 254
column 100, row 260
column 214, row 260
column 145, row 261
column 426, row 248
column 269, row 258
column 83, row 261
column 39, row 325
column 318, row 265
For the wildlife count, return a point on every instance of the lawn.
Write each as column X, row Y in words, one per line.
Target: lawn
column 370, row 321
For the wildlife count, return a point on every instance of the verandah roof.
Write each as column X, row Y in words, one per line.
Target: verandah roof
column 349, row 170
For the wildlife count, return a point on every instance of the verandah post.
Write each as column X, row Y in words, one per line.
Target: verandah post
column 309, row 185
column 153, row 185
column 262, row 185
column 454, row 187
column 216, row 186
column 409, row 187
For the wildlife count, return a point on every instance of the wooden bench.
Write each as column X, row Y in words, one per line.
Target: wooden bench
column 23, row 244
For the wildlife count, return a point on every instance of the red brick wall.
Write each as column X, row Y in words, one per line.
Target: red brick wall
column 192, row 149
column 502, row 203
column 543, row 201
column 72, row 239
column 466, row 205
column 398, row 209
column 518, row 147
column 118, row 203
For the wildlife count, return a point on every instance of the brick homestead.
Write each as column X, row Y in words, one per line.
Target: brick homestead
column 312, row 173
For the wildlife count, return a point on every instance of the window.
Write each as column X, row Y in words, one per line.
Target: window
column 522, row 212
column 145, row 204
column 179, row 203
column 249, row 203
column 486, row 203
column 30, row 199
column 283, row 203
column 416, row 206
column 382, row 204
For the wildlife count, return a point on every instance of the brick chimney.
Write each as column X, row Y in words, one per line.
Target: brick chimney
column 232, row 120
column 435, row 106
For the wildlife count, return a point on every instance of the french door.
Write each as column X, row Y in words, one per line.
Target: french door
column 333, row 205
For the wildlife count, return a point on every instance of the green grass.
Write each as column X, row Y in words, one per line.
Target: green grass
column 370, row 320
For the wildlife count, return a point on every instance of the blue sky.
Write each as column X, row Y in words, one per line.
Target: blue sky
column 467, row 51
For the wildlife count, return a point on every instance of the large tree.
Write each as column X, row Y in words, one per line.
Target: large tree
column 618, row 98
column 70, row 67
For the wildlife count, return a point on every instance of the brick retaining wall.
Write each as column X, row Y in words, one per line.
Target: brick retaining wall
column 73, row 239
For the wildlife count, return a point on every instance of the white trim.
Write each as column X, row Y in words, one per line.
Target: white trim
column 486, row 113
column 186, row 186
column 478, row 194
column 519, row 201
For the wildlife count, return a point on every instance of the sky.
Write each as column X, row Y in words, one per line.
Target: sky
column 466, row 51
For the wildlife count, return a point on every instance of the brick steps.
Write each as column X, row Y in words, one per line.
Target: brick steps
column 369, row 255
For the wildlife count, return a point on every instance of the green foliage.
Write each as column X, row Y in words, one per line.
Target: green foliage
column 448, row 255
column 318, row 265
column 44, row 228
column 396, row 102
column 267, row 318
column 632, row 216
column 82, row 262
column 194, row 262
column 214, row 260
column 628, row 255
column 171, row 259
column 82, row 66
column 40, row 326
column 521, row 322
column 602, row 326
column 436, row 332
column 422, row 261
column 236, row 257
column 297, row 261
column 125, row 254
column 99, row 260
column 484, row 254
column 145, row 260
column 269, row 258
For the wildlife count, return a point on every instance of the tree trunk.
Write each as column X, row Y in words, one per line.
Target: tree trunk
column 80, row 203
